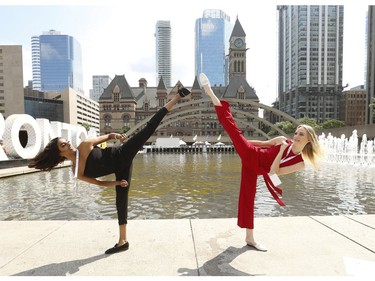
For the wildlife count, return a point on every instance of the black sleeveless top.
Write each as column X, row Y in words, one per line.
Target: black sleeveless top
column 100, row 162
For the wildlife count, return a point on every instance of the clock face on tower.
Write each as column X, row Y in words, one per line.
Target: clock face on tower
column 238, row 43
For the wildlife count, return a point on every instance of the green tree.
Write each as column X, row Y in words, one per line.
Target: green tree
column 373, row 103
column 124, row 129
column 333, row 123
column 265, row 128
column 86, row 126
column 311, row 122
column 289, row 128
column 285, row 126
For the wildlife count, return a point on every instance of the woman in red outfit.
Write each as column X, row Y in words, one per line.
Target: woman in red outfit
column 282, row 156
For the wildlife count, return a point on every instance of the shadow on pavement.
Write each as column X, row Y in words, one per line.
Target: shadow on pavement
column 60, row 269
column 219, row 265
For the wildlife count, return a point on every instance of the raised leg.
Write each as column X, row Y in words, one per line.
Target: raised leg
column 207, row 88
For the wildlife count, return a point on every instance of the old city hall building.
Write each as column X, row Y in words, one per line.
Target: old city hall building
column 123, row 107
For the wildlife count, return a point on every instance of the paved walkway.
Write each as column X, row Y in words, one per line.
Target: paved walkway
column 298, row 246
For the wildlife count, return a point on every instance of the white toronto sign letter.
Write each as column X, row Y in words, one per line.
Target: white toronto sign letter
column 39, row 133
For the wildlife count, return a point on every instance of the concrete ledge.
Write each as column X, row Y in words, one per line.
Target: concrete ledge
column 13, row 163
column 20, row 170
column 298, row 246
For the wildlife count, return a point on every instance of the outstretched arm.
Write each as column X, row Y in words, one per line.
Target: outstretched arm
column 98, row 140
column 123, row 183
column 268, row 143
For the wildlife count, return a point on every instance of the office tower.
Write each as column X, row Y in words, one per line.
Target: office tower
column 11, row 80
column 58, row 65
column 163, row 52
column 370, row 79
column 212, row 33
column 310, row 61
column 35, row 58
column 353, row 106
column 99, row 83
column 78, row 108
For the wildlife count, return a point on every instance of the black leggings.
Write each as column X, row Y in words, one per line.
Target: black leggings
column 125, row 155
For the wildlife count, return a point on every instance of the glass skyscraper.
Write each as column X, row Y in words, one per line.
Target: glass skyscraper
column 212, row 34
column 56, row 62
column 163, row 52
column 311, row 61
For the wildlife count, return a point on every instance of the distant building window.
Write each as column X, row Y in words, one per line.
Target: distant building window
column 161, row 102
column 107, row 121
column 126, row 121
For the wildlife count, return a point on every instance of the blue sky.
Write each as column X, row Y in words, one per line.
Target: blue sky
column 118, row 37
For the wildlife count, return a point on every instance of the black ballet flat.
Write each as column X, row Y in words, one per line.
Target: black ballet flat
column 117, row 249
column 183, row 92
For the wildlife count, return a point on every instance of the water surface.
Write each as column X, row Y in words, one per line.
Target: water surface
column 174, row 186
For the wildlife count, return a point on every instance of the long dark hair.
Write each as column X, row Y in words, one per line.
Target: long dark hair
column 47, row 159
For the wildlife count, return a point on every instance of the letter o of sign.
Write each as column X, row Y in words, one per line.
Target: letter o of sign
column 13, row 125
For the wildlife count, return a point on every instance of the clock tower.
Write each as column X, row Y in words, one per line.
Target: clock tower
column 237, row 52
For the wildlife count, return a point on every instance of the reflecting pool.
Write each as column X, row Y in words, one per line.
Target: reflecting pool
column 174, row 186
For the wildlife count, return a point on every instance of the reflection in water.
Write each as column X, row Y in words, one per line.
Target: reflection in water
column 167, row 186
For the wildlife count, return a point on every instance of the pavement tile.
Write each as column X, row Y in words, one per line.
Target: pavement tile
column 368, row 220
column 157, row 247
column 16, row 237
column 297, row 246
column 355, row 228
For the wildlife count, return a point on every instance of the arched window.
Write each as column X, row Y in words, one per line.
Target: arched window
column 107, row 121
column 116, row 93
column 161, row 102
column 241, row 93
column 125, row 120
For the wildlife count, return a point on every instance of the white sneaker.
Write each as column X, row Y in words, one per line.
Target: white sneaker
column 258, row 247
column 204, row 80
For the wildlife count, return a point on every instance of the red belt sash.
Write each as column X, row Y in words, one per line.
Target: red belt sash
column 273, row 189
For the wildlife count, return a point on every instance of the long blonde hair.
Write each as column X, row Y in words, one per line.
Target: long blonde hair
column 312, row 150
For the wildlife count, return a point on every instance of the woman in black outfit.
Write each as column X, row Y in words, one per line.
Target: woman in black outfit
column 90, row 162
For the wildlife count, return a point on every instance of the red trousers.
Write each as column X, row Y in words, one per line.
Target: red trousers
column 253, row 163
